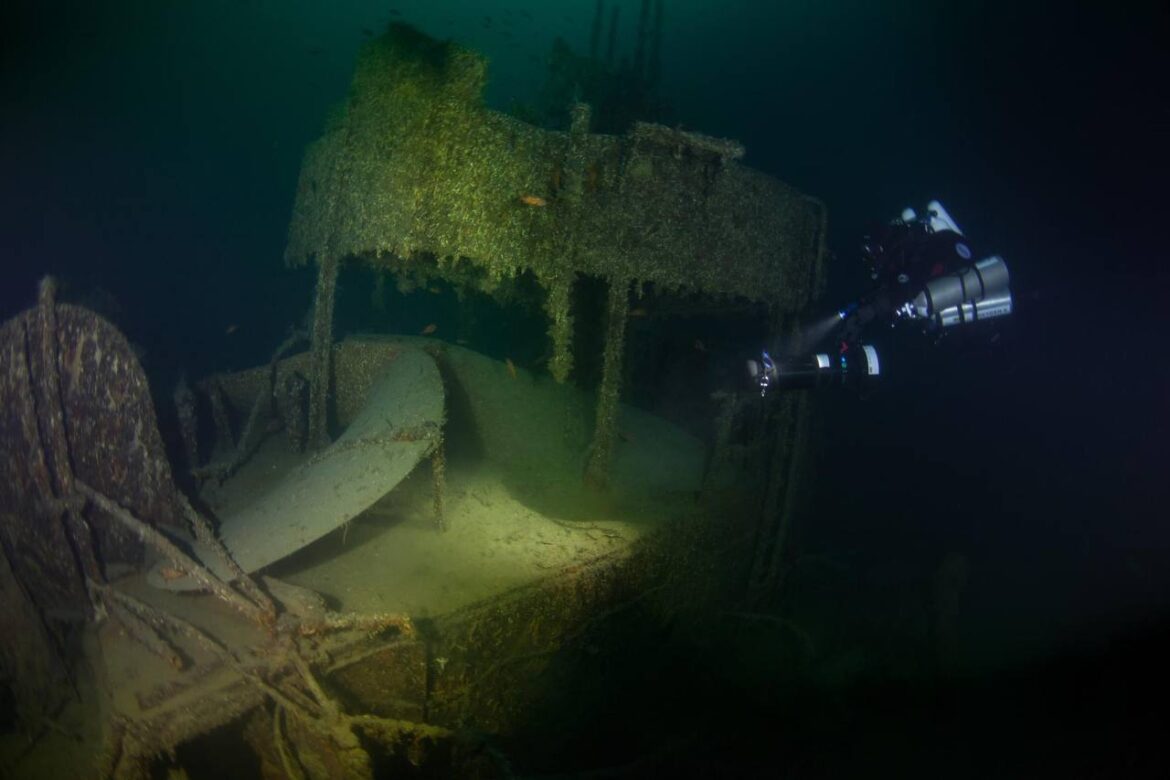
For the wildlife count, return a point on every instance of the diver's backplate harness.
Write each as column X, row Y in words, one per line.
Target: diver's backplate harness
column 925, row 273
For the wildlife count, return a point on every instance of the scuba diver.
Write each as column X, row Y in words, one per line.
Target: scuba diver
column 925, row 272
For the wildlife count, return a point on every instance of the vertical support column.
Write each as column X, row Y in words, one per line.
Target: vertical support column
column 601, row 451
column 611, row 45
column 595, row 34
column 558, row 276
column 576, row 162
column 654, row 64
column 319, row 379
column 640, row 41
column 439, row 484
column 558, row 307
column 789, row 433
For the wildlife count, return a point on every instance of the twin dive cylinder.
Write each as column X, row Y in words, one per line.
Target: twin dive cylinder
column 977, row 292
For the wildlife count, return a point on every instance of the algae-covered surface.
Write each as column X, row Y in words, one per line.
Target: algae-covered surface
column 414, row 166
column 417, row 176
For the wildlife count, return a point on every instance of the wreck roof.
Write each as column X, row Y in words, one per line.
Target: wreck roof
column 415, row 166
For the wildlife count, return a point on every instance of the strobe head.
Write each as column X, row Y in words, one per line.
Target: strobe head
column 855, row 364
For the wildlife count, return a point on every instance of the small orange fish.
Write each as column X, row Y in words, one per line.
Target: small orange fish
column 170, row 573
column 428, row 330
column 510, row 366
column 533, row 200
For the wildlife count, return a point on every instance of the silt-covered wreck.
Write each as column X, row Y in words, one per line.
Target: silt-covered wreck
column 466, row 597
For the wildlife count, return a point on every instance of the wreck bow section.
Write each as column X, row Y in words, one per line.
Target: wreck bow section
column 415, row 175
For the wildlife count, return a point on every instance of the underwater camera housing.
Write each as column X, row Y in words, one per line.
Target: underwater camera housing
column 854, row 365
column 924, row 269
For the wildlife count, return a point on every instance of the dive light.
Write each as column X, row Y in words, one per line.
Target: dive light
column 923, row 265
column 853, row 365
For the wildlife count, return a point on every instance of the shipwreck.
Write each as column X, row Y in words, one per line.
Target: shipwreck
column 141, row 616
